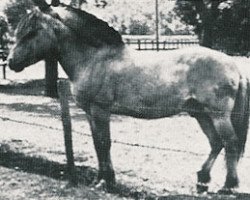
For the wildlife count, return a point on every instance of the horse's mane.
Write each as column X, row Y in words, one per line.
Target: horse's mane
column 24, row 26
column 29, row 23
column 91, row 29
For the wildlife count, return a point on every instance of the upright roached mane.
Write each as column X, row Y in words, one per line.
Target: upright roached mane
column 110, row 79
column 101, row 31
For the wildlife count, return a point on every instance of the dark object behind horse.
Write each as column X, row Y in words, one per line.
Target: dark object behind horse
column 110, row 79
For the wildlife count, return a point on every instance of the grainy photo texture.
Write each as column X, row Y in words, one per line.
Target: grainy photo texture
column 108, row 99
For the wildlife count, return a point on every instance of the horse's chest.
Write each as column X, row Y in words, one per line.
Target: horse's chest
column 92, row 87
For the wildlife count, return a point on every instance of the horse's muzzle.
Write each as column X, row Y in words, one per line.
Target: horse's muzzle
column 13, row 66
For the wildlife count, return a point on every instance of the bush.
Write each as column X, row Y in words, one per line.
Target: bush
column 137, row 27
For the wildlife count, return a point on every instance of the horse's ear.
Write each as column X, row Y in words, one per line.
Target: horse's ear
column 42, row 4
column 35, row 11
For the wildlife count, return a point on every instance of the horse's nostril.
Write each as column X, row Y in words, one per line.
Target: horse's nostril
column 10, row 63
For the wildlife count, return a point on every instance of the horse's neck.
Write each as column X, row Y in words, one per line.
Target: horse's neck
column 75, row 58
column 72, row 58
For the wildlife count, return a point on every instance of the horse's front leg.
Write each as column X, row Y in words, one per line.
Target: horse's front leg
column 99, row 120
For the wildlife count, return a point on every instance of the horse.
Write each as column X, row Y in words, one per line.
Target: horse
column 109, row 78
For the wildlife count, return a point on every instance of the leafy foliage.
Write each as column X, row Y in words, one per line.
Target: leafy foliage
column 233, row 27
column 139, row 28
column 16, row 9
column 222, row 24
column 127, row 16
column 3, row 26
column 138, row 17
column 3, row 33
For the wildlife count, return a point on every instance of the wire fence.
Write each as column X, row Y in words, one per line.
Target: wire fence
column 113, row 141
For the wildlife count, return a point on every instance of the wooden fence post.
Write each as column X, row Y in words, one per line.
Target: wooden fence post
column 4, row 64
column 51, row 75
column 4, row 71
column 139, row 44
column 164, row 45
column 64, row 93
column 157, row 47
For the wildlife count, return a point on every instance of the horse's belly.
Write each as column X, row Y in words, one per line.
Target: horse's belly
column 148, row 107
column 143, row 113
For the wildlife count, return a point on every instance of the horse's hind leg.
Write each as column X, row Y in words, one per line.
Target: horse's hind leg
column 224, row 127
column 99, row 120
column 215, row 142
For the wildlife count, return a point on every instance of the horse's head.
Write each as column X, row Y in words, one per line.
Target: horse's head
column 45, row 30
column 35, row 40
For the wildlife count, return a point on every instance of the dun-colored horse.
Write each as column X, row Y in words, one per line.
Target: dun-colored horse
column 109, row 78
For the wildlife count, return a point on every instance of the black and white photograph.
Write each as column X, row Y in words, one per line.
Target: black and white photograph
column 124, row 99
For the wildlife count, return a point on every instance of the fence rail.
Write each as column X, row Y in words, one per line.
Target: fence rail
column 147, row 44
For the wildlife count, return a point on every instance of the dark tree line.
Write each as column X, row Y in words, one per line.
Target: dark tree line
column 220, row 24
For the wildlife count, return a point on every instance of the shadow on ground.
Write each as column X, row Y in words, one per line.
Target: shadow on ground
column 40, row 166
column 34, row 88
column 26, row 87
column 86, row 176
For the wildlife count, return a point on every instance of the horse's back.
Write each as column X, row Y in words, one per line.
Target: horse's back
column 166, row 80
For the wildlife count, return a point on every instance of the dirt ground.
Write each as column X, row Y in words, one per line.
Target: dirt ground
column 153, row 159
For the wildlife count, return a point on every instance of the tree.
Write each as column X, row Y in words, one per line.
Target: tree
column 3, row 31
column 201, row 14
column 221, row 24
column 233, row 27
column 3, row 26
column 15, row 10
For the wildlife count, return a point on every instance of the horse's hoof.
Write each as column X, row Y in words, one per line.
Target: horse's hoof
column 201, row 188
column 101, row 185
column 227, row 191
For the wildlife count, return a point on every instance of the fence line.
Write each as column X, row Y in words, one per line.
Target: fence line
column 147, row 44
column 113, row 141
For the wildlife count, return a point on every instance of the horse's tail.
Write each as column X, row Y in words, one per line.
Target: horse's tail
column 240, row 114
